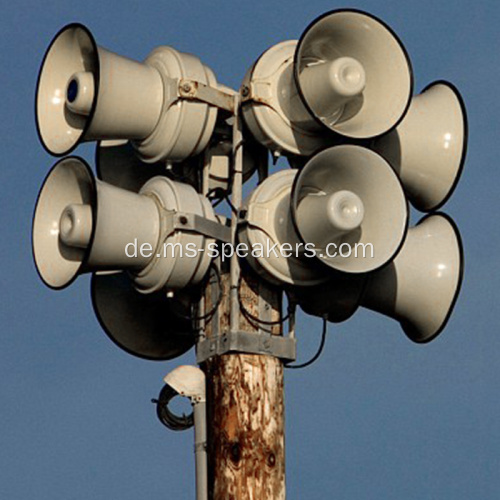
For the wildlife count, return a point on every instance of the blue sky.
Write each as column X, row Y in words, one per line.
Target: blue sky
column 376, row 417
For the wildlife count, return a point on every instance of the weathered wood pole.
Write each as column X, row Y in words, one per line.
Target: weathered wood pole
column 246, row 449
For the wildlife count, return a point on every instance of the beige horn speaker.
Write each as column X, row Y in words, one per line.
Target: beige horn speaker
column 420, row 287
column 148, row 326
column 353, row 74
column 82, row 224
column 274, row 247
column 86, row 93
column 349, row 204
column 429, row 146
column 273, row 110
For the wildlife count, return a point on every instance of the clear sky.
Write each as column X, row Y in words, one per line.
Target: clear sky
column 377, row 417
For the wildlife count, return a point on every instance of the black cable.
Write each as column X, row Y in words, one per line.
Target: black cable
column 211, row 313
column 217, row 202
column 320, row 349
column 253, row 319
column 167, row 417
column 230, row 203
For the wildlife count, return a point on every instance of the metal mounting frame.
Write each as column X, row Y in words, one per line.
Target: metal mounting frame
column 191, row 89
column 183, row 221
column 264, row 343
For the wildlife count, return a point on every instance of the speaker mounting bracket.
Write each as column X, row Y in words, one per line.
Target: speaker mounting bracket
column 259, row 91
column 183, row 221
column 263, row 343
column 193, row 90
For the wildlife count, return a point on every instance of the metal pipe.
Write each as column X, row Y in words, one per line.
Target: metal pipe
column 200, row 449
column 236, row 198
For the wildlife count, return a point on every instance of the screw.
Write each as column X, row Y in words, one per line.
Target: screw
column 186, row 87
column 183, row 220
column 245, row 91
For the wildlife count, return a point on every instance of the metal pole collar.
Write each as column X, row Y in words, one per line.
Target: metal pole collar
column 264, row 343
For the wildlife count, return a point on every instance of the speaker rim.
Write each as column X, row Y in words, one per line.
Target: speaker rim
column 399, row 42
column 113, row 338
column 407, row 219
column 465, row 144
column 97, row 77
column 93, row 206
column 461, row 272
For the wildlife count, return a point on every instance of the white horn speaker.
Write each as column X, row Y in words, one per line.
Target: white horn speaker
column 353, row 74
column 148, row 326
column 420, row 287
column 272, row 108
column 349, row 204
column 86, row 93
column 274, row 248
column 428, row 148
column 83, row 225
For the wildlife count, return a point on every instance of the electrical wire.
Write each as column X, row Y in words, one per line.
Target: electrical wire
column 319, row 351
column 254, row 319
column 166, row 416
column 217, row 202
column 230, row 203
column 209, row 315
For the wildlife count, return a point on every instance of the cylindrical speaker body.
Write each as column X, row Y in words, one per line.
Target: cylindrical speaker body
column 129, row 99
column 127, row 229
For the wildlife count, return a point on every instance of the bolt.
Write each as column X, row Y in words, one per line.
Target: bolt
column 187, row 87
column 245, row 91
column 183, row 220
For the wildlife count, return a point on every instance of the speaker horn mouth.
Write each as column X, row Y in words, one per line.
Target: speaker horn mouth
column 407, row 327
column 382, row 207
column 465, row 144
column 146, row 326
column 378, row 34
column 72, row 50
column 70, row 181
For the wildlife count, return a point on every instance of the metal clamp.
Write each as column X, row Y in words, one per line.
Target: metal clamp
column 264, row 343
column 191, row 89
column 259, row 91
column 183, row 221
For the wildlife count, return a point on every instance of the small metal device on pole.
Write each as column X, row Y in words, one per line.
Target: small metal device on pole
column 188, row 381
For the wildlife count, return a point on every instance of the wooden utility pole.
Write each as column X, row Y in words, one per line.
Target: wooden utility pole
column 246, row 451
